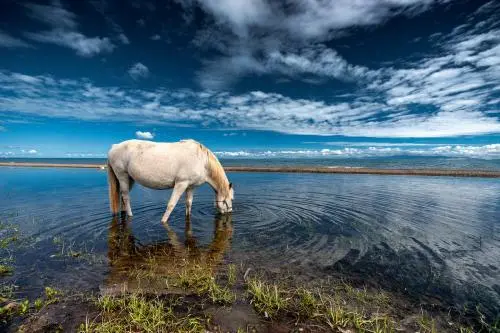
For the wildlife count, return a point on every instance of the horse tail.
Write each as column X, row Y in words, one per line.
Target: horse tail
column 114, row 190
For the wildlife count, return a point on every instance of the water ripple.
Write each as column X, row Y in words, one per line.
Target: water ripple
column 424, row 234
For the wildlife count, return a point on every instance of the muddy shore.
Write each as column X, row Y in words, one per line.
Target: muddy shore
column 300, row 169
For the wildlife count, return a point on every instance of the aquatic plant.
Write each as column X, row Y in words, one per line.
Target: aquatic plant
column 5, row 270
column 231, row 274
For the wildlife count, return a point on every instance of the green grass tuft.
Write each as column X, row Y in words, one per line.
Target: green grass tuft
column 231, row 274
column 5, row 270
column 136, row 313
column 267, row 299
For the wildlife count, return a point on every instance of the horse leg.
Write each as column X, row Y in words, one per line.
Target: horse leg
column 125, row 184
column 179, row 188
column 189, row 201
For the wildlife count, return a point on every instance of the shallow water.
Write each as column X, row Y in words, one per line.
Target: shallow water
column 429, row 237
column 387, row 162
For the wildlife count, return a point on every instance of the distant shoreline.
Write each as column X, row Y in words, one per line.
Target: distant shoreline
column 291, row 169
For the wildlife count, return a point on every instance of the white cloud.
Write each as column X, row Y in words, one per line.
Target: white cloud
column 26, row 78
column 29, row 151
column 64, row 33
column 155, row 37
column 457, row 114
column 305, row 18
column 2, row 128
column 320, row 61
column 53, row 15
column 85, row 155
column 278, row 32
column 18, row 152
column 11, row 42
column 84, row 46
column 491, row 151
column 138, row 71
column 123, row 38
column 144, row 135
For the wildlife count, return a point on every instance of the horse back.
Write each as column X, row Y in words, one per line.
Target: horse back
column 160, row 165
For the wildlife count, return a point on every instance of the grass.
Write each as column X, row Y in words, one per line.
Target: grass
column 231, row 274
column 8, row 234
column 268, row 299
column 202, row 281
column 336, row 317
column 345, row 310
column 137, row 313
column 38, row 304
column 338, row 307
column 308, row 303
column 52, row 295
column 69, row 249
column 427, row 324
column 5, row 242
column 316, row 308
column 5, row 270
column 22, row 308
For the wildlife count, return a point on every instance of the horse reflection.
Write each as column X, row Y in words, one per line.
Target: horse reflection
column 138, row 267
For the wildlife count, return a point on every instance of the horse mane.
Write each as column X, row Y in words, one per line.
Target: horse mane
column 216, row 171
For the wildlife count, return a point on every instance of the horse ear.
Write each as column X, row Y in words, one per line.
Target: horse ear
column 230, row 185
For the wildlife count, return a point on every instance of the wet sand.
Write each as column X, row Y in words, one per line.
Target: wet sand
column 298, row 169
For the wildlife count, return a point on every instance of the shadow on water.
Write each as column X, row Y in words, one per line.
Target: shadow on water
column 134, row 267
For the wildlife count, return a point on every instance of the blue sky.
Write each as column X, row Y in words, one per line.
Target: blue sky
column 261, row 77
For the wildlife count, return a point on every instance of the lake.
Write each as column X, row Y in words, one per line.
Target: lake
column 432, row 238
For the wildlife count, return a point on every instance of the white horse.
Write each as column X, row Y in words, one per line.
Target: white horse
column 180, row 165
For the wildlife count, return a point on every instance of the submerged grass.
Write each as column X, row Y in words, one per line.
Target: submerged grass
column 231, row 274
column 70, row 249
column 169, row 295
column 5, row 270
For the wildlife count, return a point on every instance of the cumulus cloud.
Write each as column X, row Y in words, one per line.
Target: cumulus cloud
column 138, row 71
column 16, row 152
column 491, row 151
column 144, row 135
column 11, row 42
column 29, row 151
column 64, row 31
column 155, row 37
column 85, row 155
